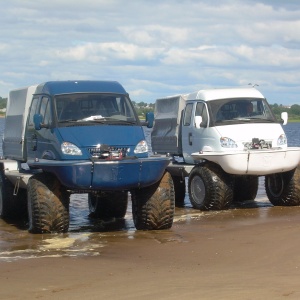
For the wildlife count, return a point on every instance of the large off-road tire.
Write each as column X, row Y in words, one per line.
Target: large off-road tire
column 107, row 205
column 48, row 204
column 245, row 188
column 11, row 206
column 283, row 189
column 210, row 188
column 153, row 206
column 179, row 188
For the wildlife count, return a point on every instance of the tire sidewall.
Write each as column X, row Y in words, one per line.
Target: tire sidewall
column 198, row 190
column 7, row 200
column 271, row 182
column 288, row 192
column 218, row 192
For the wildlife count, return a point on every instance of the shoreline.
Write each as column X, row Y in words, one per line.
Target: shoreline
column 237, row 254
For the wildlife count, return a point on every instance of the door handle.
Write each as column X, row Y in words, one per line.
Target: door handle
column 190, row 139
column 34, row 142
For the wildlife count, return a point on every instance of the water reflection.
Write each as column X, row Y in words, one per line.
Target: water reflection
column 80, row 220
column 88, row 237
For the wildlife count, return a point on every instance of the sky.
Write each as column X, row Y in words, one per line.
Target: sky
column 154, row 48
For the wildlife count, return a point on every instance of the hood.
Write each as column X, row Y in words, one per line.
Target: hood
column 113, row 135
column 245, row 132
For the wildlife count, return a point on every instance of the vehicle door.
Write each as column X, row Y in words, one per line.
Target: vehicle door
column 30, row 135
column 41, row 143
column 194, row 129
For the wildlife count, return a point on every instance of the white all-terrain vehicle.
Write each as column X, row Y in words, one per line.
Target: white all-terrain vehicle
column 223, row 140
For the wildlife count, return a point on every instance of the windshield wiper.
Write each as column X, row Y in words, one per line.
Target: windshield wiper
column 68, row 120
column 119, row 122
column 108, row 120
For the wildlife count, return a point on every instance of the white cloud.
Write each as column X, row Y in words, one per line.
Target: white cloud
column 101, row 52
column 135, row 94
column 155, row 35
column 202, row 56
column 153, row 48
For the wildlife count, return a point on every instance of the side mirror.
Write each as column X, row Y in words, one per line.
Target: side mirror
column 198, row 121
column 149, row 119
column 284, row 118
column 37, row 121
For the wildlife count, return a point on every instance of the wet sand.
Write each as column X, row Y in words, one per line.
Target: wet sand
column 250, row 251
column 247, row 252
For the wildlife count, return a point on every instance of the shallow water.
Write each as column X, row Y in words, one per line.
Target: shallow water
column 88, row 237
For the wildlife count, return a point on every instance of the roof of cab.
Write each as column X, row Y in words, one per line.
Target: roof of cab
column 79, row 86
column 223, row 93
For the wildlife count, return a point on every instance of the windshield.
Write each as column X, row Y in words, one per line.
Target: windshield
column 237, row 111
column 100, row 108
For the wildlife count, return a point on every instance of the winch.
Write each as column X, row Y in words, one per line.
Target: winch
column 107, row 152
column 258, row 144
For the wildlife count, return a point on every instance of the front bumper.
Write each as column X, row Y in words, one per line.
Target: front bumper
column 254, row 162
column 105, row 175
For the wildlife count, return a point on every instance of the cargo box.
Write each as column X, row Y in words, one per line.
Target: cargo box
column 165, row 134
column 18, row 104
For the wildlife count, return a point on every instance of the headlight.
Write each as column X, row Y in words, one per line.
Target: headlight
column 282, row 140
column 227, row 142
column 70, row 149
column 141, row 147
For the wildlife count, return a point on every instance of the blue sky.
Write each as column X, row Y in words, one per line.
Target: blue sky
column 153, row 48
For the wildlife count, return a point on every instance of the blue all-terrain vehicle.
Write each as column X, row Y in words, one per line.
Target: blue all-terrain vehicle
column 64, row 137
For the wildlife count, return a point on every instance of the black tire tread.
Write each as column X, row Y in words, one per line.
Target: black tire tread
column 11, row 206
column 179, row 188
column 153, row 207
column 245, row 187
column 218, row 187
column 48, row 205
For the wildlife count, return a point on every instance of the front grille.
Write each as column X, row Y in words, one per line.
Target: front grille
column 108, row 152
column 257, row 144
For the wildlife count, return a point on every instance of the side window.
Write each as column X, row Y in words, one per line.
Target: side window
column 33, row 110
column 45, row 111
column 188, row 115
column 201, row 111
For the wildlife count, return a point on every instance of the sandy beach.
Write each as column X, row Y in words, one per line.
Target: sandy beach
column 250, row 251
